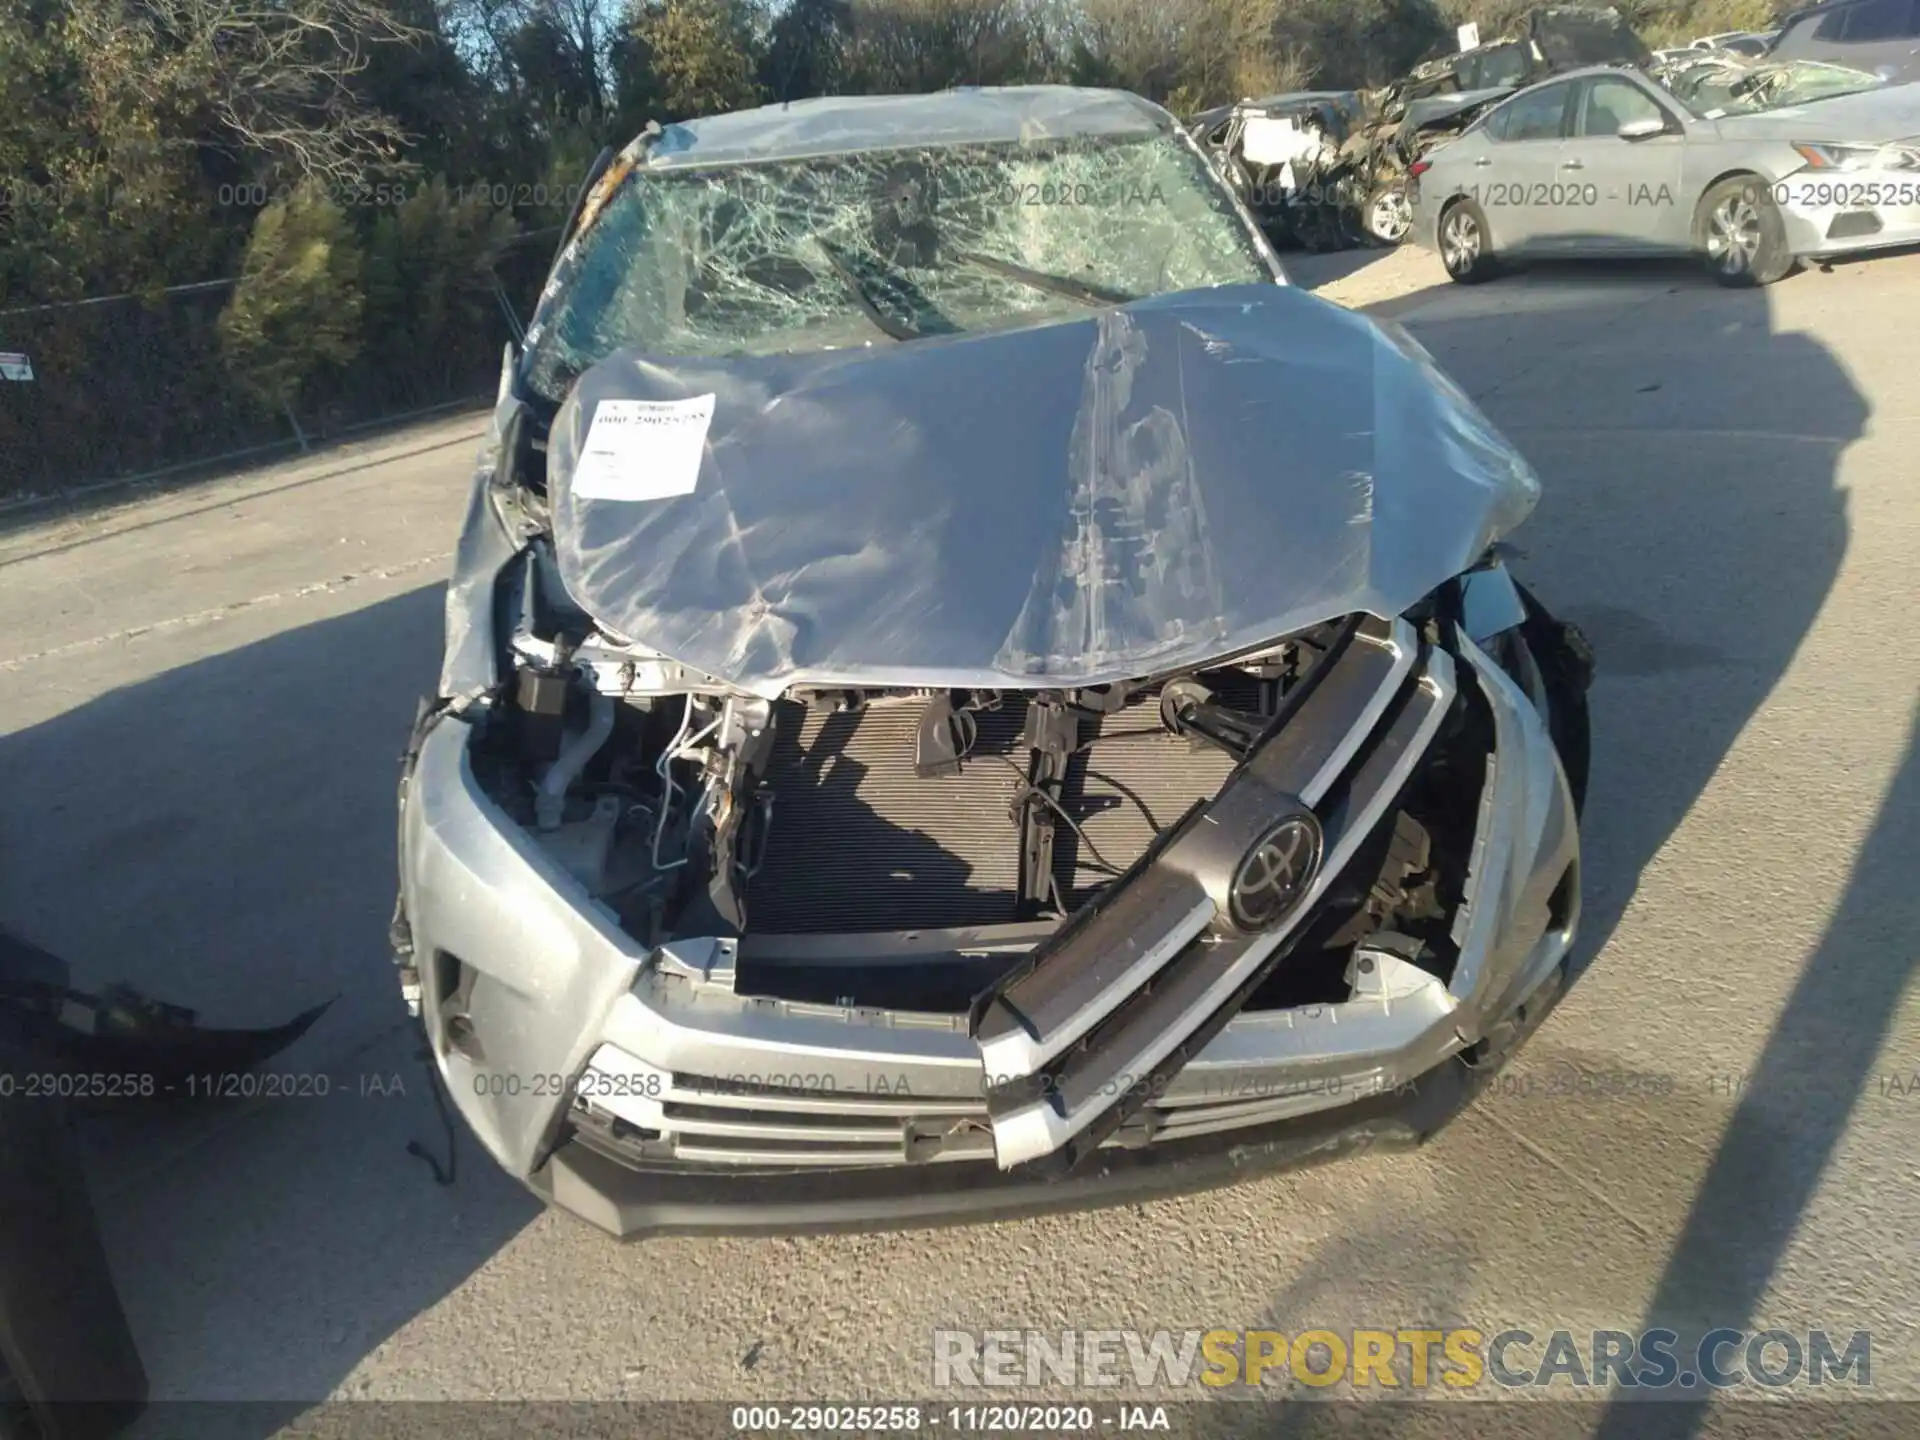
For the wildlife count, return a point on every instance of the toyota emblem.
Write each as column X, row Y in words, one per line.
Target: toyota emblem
column 1275, row 873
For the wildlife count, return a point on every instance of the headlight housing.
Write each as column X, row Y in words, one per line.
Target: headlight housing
column 1834, row 155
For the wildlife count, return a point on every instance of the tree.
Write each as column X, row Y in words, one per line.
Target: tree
column 429, row 276
column 906, row 46
column 267, row 78
column 806, row 48
column 702, row 56
column 556, row 77
column 296, row 309
column 1354, row 43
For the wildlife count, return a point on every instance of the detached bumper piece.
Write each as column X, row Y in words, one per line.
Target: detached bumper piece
column 1098, row 1018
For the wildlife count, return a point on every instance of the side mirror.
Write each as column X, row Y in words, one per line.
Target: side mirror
column 1642, row 129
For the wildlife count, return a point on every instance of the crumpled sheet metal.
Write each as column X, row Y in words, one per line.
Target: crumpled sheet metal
column 1152, row 487
column 837, row 124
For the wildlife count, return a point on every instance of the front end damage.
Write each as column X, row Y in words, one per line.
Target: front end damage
column 1368, row 175
column 1096, row 888
column 1294, row 162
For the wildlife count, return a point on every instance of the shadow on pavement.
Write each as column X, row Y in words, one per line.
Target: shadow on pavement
column 223, row 837
column 227, row 828
column 1816, row 1067
column 1683, row 443
column 1692, row 525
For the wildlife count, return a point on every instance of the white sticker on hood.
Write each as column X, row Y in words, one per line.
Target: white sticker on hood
column 643, row 449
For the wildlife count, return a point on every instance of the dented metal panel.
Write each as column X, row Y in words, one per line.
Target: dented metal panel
column 1152, row 486
column 1071, row 1106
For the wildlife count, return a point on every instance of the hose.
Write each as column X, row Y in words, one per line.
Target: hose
column 549, row 802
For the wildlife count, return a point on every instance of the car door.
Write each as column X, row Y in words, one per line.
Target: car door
column 1611, row 194
column 1517, row 166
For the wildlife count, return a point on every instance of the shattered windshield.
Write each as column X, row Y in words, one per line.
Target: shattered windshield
column 1713, row 91
column 880, row 247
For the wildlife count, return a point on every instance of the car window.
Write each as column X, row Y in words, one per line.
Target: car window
column 800, row 255
column 1879, row 20
column 1613, row 103
column 1537, row 115
column 1828, row 27
column 1502, row 65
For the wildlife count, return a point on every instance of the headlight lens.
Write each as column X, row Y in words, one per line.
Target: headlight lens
column 1830, row 155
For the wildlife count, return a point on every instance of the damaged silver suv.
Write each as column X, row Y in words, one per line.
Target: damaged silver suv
column 965, row 693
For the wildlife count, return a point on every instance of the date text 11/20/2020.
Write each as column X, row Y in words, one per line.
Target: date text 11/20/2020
column 86, row 1085
column 1051, row 1420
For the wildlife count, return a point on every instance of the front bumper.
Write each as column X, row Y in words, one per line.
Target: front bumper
column 1850, row 211
column 632, row 1203
column 640, row 1091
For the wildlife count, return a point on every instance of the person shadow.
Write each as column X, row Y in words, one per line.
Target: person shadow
column 221, row 836
column 1692, row 524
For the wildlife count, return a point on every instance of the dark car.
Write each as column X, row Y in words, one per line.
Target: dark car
column 1878, row 36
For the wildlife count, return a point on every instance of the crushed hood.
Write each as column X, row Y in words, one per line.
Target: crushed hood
column 1888, row 112
column 1435, row 108
column 1152, row 487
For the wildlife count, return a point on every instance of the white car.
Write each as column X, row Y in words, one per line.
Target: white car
column 1753, row 167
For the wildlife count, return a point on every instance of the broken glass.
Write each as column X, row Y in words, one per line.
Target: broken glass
column 798, row 255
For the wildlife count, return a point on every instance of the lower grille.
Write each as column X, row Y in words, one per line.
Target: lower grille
column 860, row 842
column 698, row 1121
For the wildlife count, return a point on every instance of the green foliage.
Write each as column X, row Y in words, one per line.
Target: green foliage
column 1662, row 23
column 805, row 50
column 131, row 130
column 429, row 276
column 702, row 56
column 1355, row 43
column 296, row 309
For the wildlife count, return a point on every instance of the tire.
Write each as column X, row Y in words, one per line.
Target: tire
column 1738, row 231
column 1465, row 243
column 1387, row 214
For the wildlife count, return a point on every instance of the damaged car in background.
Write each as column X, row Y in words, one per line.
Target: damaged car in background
column 1288, row 159
column 1329, row 169
column 955, row 707
column 1442, row 99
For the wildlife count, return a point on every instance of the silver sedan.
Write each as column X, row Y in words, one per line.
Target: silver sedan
column 1754, row 168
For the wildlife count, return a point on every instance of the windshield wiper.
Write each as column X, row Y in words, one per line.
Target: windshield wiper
column 893, row 329
column 1081, row 290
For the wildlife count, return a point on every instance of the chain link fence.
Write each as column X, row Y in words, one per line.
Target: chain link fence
column 126, row 385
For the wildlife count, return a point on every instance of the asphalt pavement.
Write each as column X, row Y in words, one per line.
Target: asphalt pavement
column 206, row 691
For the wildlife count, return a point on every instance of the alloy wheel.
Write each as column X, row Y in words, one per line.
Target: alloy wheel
column 1733, row 235
column 1390, row 216
column 1460, row 242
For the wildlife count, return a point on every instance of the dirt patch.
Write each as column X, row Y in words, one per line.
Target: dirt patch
column 1368, row 280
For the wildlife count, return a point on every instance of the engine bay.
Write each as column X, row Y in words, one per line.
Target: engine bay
column 903, row 847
